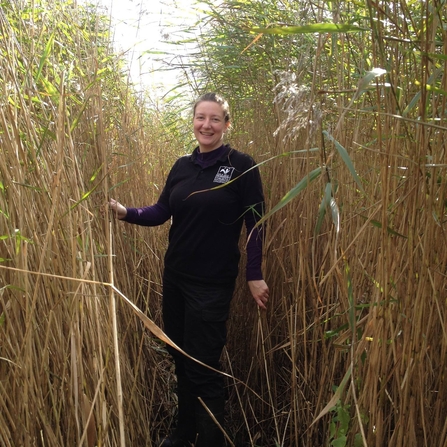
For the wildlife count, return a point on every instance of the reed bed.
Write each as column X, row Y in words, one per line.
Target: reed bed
column 352, row 349
column 350, row 352
column 76, row 366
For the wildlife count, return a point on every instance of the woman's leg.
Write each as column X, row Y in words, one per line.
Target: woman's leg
column 173, row 320
column 195, row 316
column 206, row 312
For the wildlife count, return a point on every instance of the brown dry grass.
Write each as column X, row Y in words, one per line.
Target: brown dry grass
column 76, row 365
column 68, row 343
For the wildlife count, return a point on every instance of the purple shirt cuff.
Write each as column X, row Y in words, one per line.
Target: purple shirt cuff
column 148, row 216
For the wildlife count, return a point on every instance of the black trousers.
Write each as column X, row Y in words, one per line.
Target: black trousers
column 194, row 317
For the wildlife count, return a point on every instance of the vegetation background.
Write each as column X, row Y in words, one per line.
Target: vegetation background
column 343, row 104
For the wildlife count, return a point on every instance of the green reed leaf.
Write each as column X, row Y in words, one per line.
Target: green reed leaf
column 312, row 28
column 44, row 57
column 346, row 158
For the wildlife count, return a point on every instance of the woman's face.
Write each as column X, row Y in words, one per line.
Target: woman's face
column 209, row 125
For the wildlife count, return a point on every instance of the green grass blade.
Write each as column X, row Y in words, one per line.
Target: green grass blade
column 378, row 224
column 310, row 29
column 346, row 158
column 79, row 115
column 350, row 299
column 119, row 184
column 284, row 154
column 415, row 100
column 337, row 395
column 44, row 57
column 95, row 174
column 293, row 193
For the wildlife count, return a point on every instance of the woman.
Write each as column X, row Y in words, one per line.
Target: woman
column 201, row 262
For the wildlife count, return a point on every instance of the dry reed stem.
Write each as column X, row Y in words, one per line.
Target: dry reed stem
column 216, row 422
column 397, row 391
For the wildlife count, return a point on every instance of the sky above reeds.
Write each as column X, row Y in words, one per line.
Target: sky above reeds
column 142, row 30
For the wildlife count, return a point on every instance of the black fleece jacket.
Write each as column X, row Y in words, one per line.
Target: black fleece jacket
column 208, row 204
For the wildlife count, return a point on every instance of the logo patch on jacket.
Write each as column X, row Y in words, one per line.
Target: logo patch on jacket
column 223, row 174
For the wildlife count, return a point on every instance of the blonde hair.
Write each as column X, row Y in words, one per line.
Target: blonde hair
column 214, row 97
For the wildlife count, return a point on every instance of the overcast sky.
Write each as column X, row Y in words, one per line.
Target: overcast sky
column 141, row 26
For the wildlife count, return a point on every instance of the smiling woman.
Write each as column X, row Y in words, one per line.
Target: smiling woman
column 202, row 263
column 211, row 121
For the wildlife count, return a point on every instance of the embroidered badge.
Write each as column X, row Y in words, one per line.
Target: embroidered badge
column 223, row 174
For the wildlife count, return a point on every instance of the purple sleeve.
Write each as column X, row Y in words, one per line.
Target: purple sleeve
column 253, row 200
column 149, row 216
column 254, row 248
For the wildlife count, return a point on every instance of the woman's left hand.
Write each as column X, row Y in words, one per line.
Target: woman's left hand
column 260, row 292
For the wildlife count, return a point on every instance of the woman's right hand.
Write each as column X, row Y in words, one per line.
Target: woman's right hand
column 118, row 210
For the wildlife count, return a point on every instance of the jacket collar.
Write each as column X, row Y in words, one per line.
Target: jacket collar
column 219, row 154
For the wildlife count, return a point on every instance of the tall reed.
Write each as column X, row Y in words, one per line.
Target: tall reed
column 76, row 367
column 352, row 348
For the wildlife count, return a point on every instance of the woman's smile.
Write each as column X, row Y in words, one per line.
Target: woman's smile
column 209, row 125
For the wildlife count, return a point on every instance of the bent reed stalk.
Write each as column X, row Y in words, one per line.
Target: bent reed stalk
column 353, row 347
